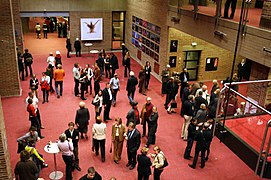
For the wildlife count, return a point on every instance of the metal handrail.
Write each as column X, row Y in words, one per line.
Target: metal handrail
column 268, row 124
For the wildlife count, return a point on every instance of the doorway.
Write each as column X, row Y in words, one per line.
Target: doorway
column 118, row 29
column 191, row 63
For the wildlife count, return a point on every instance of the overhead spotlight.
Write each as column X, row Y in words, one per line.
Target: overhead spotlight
column 220, row 34
column 194, row 44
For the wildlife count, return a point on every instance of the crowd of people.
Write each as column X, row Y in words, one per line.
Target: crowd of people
column 105, row 67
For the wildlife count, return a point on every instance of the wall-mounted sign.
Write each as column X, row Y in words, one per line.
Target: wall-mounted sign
column 211, row 64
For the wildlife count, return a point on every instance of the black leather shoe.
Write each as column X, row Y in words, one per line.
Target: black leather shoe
column 103, row 159
column 190, row 165
column 187, row 158
column 42, row 137
column 115, row 161
column 109, row 119
column 132, row 167
column 78, row 168
column 127, row 165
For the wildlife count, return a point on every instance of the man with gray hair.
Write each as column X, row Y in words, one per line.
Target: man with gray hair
column 59, row 74
column 131, row 86
column 133, row 143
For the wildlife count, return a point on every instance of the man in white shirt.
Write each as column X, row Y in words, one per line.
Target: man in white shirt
column 115, row 84
column 205, row 94
column 76, row 76
column 51, row 59
column 107, row 100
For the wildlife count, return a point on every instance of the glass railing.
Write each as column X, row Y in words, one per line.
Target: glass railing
column 256, row 13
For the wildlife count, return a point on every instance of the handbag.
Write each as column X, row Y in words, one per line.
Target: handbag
column 173, row 104
column 95, row 103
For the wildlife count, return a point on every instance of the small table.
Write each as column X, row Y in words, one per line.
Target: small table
column 94, row 51
column 52, row 148
column 88, row 45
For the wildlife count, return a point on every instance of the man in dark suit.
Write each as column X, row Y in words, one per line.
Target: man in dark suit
column 131, row 86
column 144, row 165
column 73, row 134
column 190, row 138
column 133, row 143
column 114, row 63
column 184, row 78
column 200, row 100
column 171, row 90
column 187, row 112
column 107, row 101
column 200, row 137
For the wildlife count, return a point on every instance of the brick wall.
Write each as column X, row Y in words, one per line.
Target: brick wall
column 17, row 24
column 265, row 21
column 107, row 28
column 208, row 50
column 9, row 76
column 5, row 168
column 154, row 12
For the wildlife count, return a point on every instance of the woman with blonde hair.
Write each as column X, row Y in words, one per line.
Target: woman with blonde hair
column 158, row 162
column 118, row 136
column 127, row 63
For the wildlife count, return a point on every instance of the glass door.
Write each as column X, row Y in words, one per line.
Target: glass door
column 191, row 63
column 118, row 29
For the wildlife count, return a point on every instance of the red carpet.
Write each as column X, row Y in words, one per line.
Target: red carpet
column 56, row 114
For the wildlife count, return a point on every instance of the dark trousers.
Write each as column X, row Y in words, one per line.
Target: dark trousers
column 35, row 123
column 147, row 81
column 151, row 134
column 78, row 53
column 38, row 116
column 60, row 84
column 45, row 95
column 113, row 72
column 96, row 87
column 188, row 148
column 229, row 3
column 51, row 82
column 30, row 69
column 98, row 113
column 108, row 72
column 144, row 126
column 76, row 87
column 142, row 176
column 100, row 144
column 131, row 95
column 83, row 88
column 157, row 173
column 45, row 34
column 127, row 70
column 68, row 161
column 114, row 95
column 76, row 159
column 68, row 53
column 21, row 71
column 183, row 85
column 168, row 99
column 195, row 160
column 89, row 84
column 131, row 157
column 107, row 110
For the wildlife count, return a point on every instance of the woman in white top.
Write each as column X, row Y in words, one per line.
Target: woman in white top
column 115, row 85
column 45, row 87
column 37, row 27
column 158, row 162
column 66, row 148
column 99, row 100
column 51, row 59
column 99, row 134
